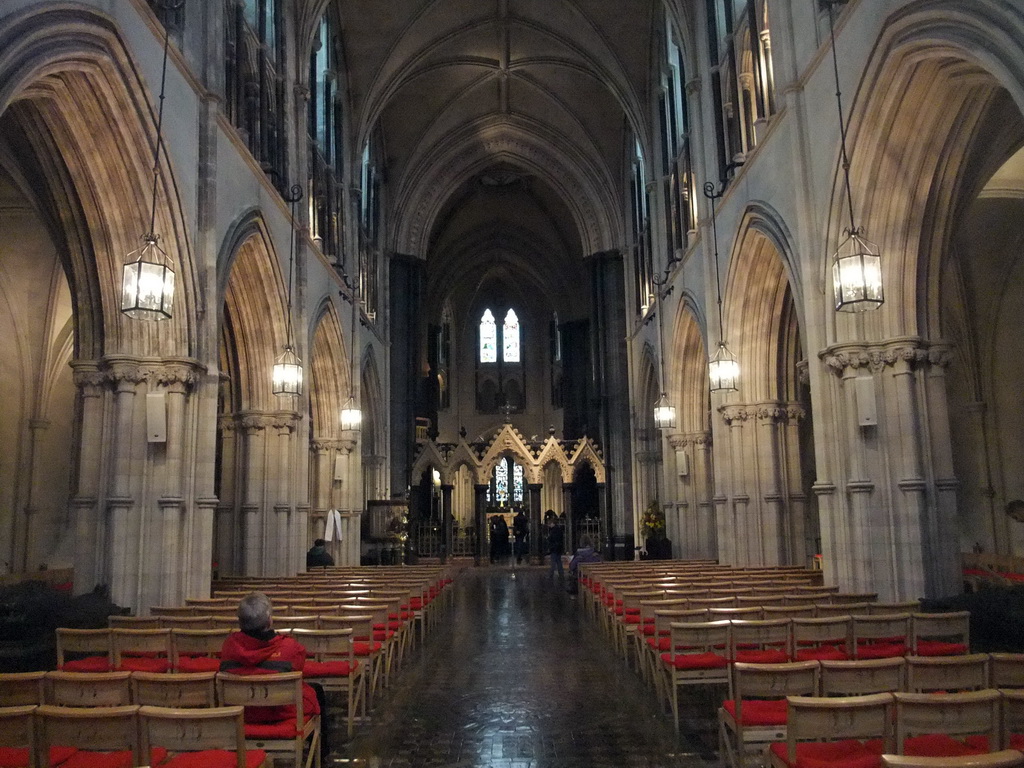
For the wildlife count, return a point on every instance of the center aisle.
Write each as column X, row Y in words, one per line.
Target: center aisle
column 514, row 677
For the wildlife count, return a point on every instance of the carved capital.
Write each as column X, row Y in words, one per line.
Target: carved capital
column 254, row 422
column 678, row 441
column 909, row 349
column 88, row 377
column 179, row 375
column 803, row 373
column 731, row 413
column 771, row 412
column 226, row 423
column 126, row 375
column 795, row 412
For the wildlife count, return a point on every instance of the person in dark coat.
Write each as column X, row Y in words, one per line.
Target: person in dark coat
column 318, row 556
column 556, row 546
column 499, row 538
column 520, row 531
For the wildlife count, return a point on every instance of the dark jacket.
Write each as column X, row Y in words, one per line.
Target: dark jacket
column 556, row 540
column 317, row 557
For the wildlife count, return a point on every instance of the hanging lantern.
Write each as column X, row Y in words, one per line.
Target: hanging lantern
column 664, row 414
column 723, row 370
column 351, row 416
column 857, row 275
column 287, row 376
column 147, row 284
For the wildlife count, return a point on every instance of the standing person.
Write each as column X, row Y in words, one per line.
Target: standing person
column 499, row 537
column 318, row 556
column 556, row 546
column 520, row 531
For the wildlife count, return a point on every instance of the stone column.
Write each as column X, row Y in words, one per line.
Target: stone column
column 447, row 534
column 798, row 552
column 229, row 524
column 702, row 471
column 253, row 530
column 678, row 503
column 768, row 548
column 567, row 509
column 87, row 526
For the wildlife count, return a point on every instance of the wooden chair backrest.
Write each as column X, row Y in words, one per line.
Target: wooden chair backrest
column 953, row 714
column 954, row 626
column 701, row 636
column 181, row 690
column 1006, row 758
column 327, row 644
column 278, row 689
column 829, row 610
column 293, row 621
column 94, row 729
column 88, row 689
column 850, row 717
column 880, row 626
column 133, row 622
column 764, row 634
column 94, row 642
column 788, row 611
column 1006, row 670
column 772, row 681
column 196, row 642
column 862, row 677
column 172, row 610
column 17, row 729
column 135, row 642
column 908, row 606
column 947, row 673
column 19, row 689
column 1012, row 714
column 193, row 730
column 853, row 598
column 186, row 622
column 832, row 630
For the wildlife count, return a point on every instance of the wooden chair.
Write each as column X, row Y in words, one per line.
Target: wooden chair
column 197, row 650
column 18, row 689
column 141, row 650
column 1007, row 758
column 760, row 642
column 288, row 736
column 84, row 650
column 863, row 677
column 697, row 657
column 835, row 731
column 947, row 724
column 853, row 598
column 364, row 647
column 1012, row 721
column 88, row 689
column 18, row 736
column 133, row 622
column 1006, row 670
column 940, row 634
column 829, row 610
column 905, row 606
column 174, row 689
column 754, row 715
column 186, row 622
column 818, row 639
column 928, row 674
column 171, row 610
column 219, row 603
column 881, row 636
column 788, row 612
column 333, row 664
column 92, row 729
column 195, row 738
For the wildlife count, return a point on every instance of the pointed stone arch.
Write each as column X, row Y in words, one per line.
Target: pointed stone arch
column 329, row 377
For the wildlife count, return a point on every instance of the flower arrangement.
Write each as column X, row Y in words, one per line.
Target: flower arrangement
column 652, row 524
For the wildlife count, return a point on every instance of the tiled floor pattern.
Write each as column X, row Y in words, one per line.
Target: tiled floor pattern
column 517, row 679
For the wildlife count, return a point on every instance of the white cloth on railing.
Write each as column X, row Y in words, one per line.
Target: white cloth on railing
column 332, row 525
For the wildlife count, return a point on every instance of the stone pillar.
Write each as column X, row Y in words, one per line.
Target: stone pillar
column 567, row 509
column 768, row 548
column 87, row 526
column 125, row 521
column 253, row 529
column 799, row 551
column 447, row 534
column 228, row 522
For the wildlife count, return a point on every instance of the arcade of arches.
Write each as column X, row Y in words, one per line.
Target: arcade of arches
column 539, row 164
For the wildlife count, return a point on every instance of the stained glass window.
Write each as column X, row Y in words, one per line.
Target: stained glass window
column 501, row 483
column 517, row 483
column 488, row 338
column 510, row 337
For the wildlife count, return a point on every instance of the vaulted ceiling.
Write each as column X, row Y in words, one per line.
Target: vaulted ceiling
column 505, row 127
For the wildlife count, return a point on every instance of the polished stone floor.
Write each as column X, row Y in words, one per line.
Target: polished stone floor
column 517, row 678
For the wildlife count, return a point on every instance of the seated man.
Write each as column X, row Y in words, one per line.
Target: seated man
column 257, row 650
column 318, row 556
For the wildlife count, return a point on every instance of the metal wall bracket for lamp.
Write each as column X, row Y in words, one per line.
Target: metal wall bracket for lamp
column 287, row 372
column 147, row 283
column 351, row 415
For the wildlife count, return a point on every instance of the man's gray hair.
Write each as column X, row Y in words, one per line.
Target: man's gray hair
column 254, row 612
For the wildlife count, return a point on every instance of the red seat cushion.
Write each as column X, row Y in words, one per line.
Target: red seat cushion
column 362, row 648
column 762, row 657
column 17, row 757
column 695, row 660
column 632, row 611
column 142, row 664
column 939, row 648
column 281, row 729
column 122, row 759
column 759, row 712
column 848, row 753
column 824, row 653
column 1016, row 741
column 198, row 664
column 328, row 669
column 88, row 664
column 214, row 758
column 941, row 745
column 631, row 619
column 881, row 651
